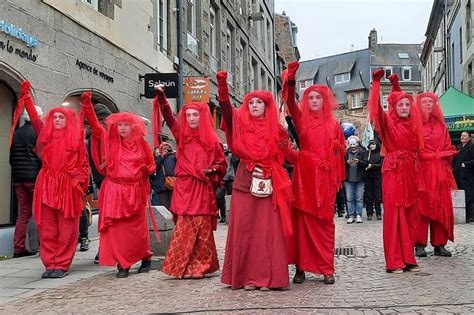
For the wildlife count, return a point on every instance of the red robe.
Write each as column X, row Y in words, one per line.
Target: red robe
column 400, row 178
column 317, row 177
column 435, row 203
column 123, row 197
column 192, row 251
column 60, row 186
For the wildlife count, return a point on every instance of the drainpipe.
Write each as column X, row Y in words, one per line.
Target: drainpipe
column 180, row 39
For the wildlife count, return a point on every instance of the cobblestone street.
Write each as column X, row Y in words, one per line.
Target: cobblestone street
column 444, row 285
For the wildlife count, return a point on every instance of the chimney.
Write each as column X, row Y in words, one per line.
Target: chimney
column 373, row 39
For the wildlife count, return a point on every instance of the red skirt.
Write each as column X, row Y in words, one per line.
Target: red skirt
column 126, row 241
column 256, row 248
column 192, row 251
column 311, row 247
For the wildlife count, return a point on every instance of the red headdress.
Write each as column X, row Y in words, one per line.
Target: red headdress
column 327, row 111
column 114, row 142
column 71, row 137
column 205, row 132
column 436, row 114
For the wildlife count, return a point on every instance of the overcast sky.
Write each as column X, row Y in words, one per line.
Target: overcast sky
column 328, row 27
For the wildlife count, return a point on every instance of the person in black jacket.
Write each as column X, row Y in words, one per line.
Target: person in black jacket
column 165, row 159
column 463, row 169
column 354, row 183
column 25, row 168
column 373, row 180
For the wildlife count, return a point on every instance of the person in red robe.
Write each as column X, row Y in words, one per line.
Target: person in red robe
column 317, row 177
column 256, row 253
column 59, row 192
column 435, row 204
column 200, row 168
column 402, row 137
column 122, row 155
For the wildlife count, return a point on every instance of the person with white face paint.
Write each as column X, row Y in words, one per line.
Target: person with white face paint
column 354, row 183
column 200, row 168
column 401, row 133
column 318, row 175
column 435, row 206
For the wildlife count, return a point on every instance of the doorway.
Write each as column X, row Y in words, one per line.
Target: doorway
column 6, row 114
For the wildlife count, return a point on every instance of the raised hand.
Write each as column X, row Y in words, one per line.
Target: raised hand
column 394, row 78
column 25, row 87
column 378, row 74
column 86, row 97
column 159, row 88
column 292, row 69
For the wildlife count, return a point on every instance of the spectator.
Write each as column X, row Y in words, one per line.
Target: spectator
column 463, row 168
column 354, row 183
column 165, row 159
column 25, row 168
column 373, row 180
column 228, row 183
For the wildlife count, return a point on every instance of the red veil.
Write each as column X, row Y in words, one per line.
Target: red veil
column 262, row 141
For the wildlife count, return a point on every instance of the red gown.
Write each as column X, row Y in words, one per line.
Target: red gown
column 126, row 164
column 316, row 179
column 256, row 252
column 435, row 204
column 60, row 186
column 192, row 251
column 401, row 139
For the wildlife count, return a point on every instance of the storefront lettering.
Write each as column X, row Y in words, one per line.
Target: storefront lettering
column 26, row 54
column 84, row 66
column 17, row 32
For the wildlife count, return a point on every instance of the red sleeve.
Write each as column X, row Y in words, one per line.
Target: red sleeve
column 291, row 103
column 168, row 115
column 30, row 107
column 96, row 127
column 37, row 126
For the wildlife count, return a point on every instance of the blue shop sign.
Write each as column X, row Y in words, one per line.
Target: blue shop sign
column 17, row 32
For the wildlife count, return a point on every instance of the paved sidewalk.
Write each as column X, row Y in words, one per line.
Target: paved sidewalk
column 444, row 285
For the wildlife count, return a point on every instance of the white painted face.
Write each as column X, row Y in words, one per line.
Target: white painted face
column 256, row 107
column 59, row 120
column 315, row 100
column 192, row 118
column 124, row 129
column 427, row 104
column 403, row 108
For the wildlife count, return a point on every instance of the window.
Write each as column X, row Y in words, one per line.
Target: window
column 303, row 85
column 468, row 21
column 356, row 101
column 162, row 25
column 270, row 85
column 94, row 4
column 242, row 67
column 343, row 77
column 403, row 55
column 229, row 57
column 269, row 40
column 388, row 72
column 191, row 13
column 214, row 63
column 460, row 44
column 406, row 74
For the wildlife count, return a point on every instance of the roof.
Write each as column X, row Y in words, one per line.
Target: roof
column 322, row 71
column 387, row 54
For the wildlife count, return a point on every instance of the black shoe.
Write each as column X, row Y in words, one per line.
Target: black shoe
column 122, row 273
column 347, row 216
column 145, row 267
column 24, row 253
column 47, row 273
column 440, row 250
column 329, row 279
column 379, row 217
column 369, row 217
column 420, row 251
column 58, row 273
column 84, row 244
column 340, row 215
column 96, row 259
column 223, row 220
column 299, row 277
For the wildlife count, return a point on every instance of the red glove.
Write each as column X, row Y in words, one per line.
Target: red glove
column 378, row 74
column 86, row 97
column 394, row 78
column 223, row 89
column 292, row 69
column 25, row 87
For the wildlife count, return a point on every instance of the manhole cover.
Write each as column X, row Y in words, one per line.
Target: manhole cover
column 344, row 251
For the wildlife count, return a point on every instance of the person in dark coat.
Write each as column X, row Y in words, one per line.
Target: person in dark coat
column 463, row 169
column 373, row 180
column 165, row 159
column 354, row 183
column 25, row 168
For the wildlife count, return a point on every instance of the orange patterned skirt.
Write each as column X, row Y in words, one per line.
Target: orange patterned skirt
column 192, row 251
